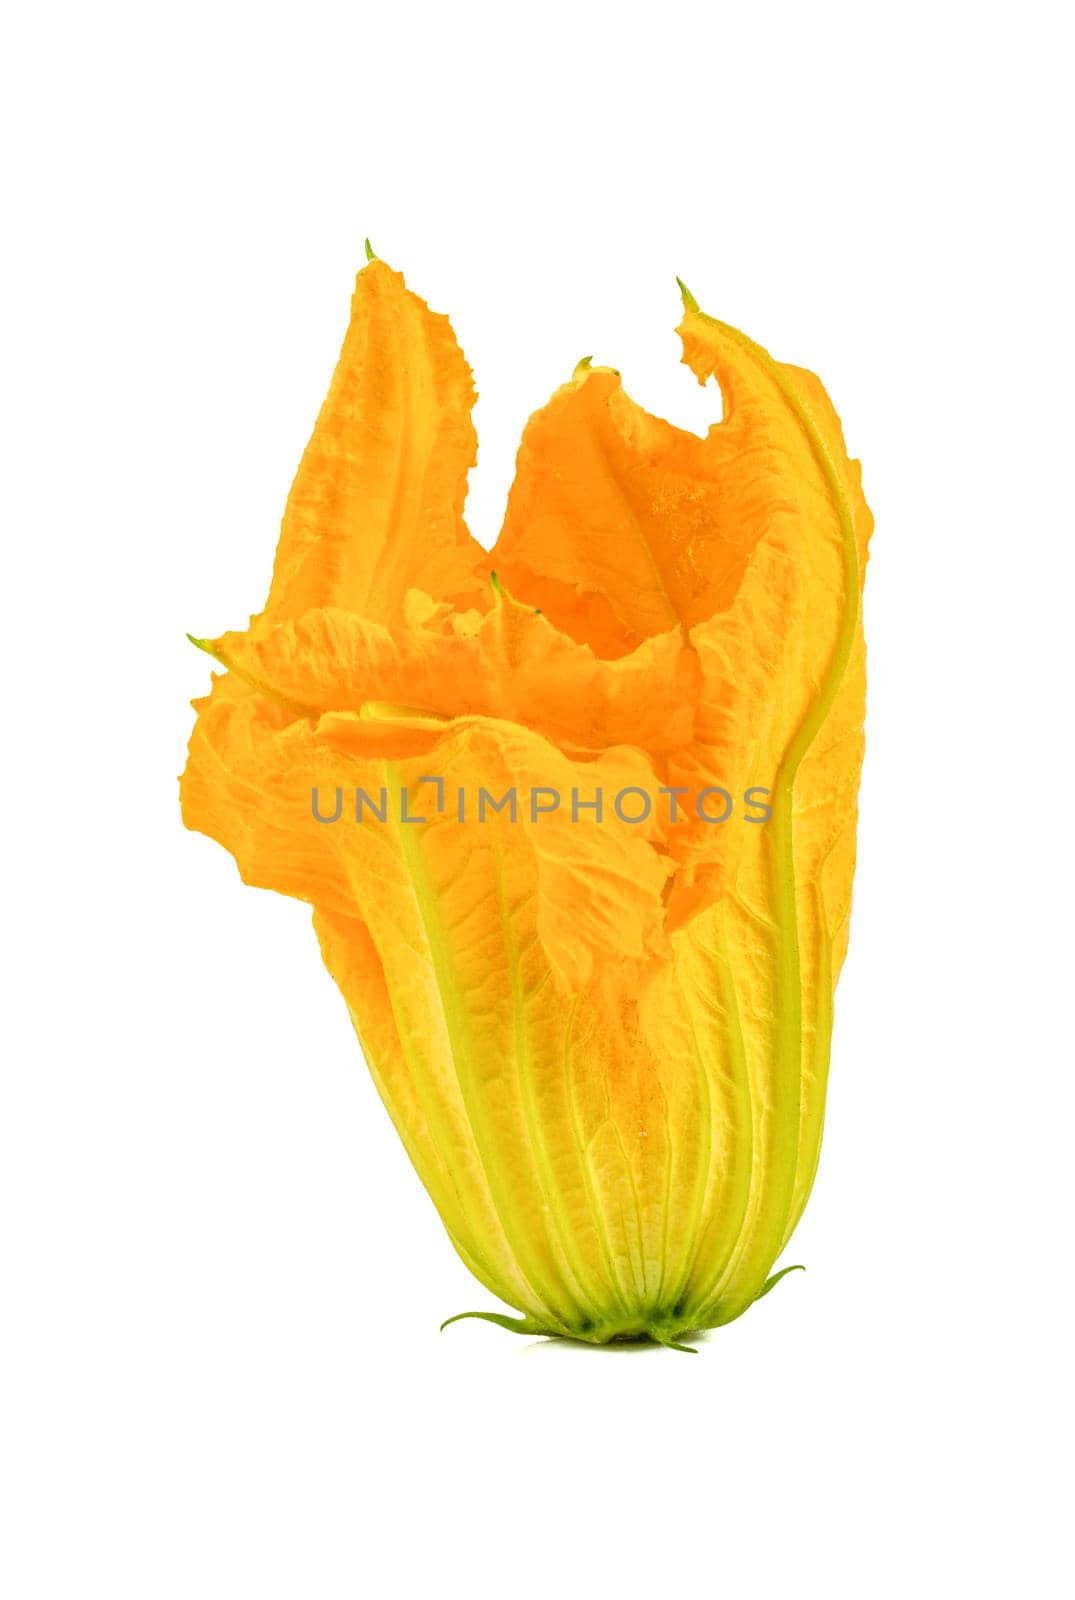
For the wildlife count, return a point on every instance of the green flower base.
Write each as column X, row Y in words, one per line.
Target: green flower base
column 668, row 1334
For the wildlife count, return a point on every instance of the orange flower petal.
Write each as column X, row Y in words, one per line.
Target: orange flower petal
column 251, row 773
column 511, row 663
column 377, row 503
column 621, row 526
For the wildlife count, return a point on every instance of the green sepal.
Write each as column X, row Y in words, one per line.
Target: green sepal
column 529, row 1325
column 771, row 1283
column 670, row 1344
column 513, row 1324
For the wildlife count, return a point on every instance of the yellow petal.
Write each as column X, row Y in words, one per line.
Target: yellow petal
column 791, row 645
column 511, row 663
column 253, row 768
column 460, row 947
column 377, row 503
column 621, row 526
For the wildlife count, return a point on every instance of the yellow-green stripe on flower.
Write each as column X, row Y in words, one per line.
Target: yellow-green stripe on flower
column 599, row 1013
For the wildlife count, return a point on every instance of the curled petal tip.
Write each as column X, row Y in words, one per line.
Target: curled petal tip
column 582, row 367
column 689, row 302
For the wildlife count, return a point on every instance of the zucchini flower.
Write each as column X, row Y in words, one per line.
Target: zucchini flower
column 576, row 818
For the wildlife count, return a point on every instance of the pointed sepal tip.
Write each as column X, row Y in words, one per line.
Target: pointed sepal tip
column 689, row 302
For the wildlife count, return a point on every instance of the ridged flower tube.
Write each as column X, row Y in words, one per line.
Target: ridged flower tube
column 576, row 818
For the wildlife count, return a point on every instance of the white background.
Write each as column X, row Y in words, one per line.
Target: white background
column 222, row 1375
